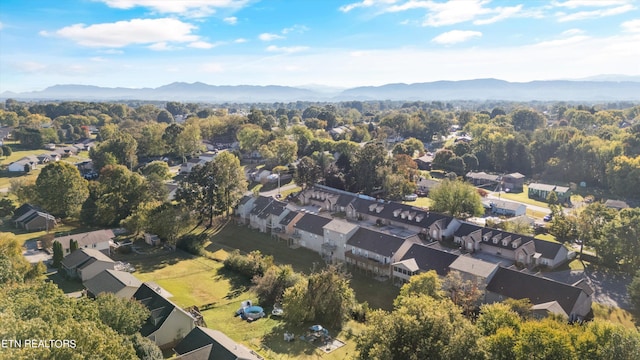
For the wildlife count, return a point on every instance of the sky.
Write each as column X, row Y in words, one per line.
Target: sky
column 334, row 43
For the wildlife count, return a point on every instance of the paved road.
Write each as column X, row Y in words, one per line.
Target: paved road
column 275, row 191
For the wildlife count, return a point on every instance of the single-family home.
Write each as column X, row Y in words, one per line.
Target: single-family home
column 120, row 283
column 541, row 191
column 97, row 240
column 336, row 234
column 32, row 218
column 513, row 182
column 202, row 343
column 172, row 189
column 483, row 179
column 504, row 207
column 85, row 264
column 168, row 323
column 571, row 301
column 420, row 258
column 308, row 232
column 424, row 162
column 24, row 164
column 375, row 251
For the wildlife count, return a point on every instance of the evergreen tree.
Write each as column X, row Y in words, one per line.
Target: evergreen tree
column 58, row 255
column 73, row 245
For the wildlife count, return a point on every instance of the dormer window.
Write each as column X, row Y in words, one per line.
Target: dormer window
column 485, row 238
column 396, row 212
column 514, row 245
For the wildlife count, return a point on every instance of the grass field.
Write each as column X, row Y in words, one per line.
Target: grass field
column 615, row 315
column 523, row 198
column 24, row 236
column 199, row 281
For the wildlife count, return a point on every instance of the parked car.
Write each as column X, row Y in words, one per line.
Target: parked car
column 548, row 217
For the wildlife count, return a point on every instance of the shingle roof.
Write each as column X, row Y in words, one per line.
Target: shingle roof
column 465, row 229
column 376, row 242
column 394, row 211
column 482, row 175
column 548, row 249
column 509, row 205
column 275, row 207
column 111, row 281
column 519, row 285
column 288, row 218
column 206, row 344
column 470, row 265
column 428, row 258
column 159, row 306
column 82, row 256
column 312, row 223
column 340, row 226
column 22, row 210
column 260, row 204
column 547, row 187
column 87, row 238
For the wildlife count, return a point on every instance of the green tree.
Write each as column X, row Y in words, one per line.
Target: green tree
column 463, row 293
column 169, row 222
column 145, row 348
column 496, row 316
column 6, row 207
column 307, row 173
column 546, row 339
column 150, row 141
column 527, row 119
column 164, row 117
column 125, row 316
column 58, row 254
column 73, row 245
column 325, row 297
column 368, row 160
column 61, row 189
column 188, row 142
column 633, row 290
column 499, row 345
column 271, row 286
column 158, row 168
column 117, row 194
column 426, row 283
column 279, row 152
column 121, row 148
column 456, row 198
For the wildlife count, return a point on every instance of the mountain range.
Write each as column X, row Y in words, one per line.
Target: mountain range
column 479, row 89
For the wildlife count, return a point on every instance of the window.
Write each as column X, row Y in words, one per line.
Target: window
column 67, row 251
column 94, row 246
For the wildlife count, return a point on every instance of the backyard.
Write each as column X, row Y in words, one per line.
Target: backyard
column 204, row 282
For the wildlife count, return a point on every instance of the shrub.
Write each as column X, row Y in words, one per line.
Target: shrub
column 192, row 243
column 248, row 265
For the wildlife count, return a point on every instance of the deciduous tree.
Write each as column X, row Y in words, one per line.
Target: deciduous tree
column 61, row 189
column 457, row 198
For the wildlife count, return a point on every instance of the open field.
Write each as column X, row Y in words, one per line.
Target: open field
column 523, row 198
column 24, row 236
column 199, row 281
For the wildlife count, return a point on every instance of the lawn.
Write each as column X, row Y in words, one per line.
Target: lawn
column 523, row 198
column 614, row 315
column 6, row 176
column 423, row 202
column 24, row 236
column 200, row 281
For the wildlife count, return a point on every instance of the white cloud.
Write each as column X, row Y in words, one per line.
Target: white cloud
column 111, row 51
column 203, row 45
column 573, row 4
column 571, row 32
column 191, row 8
column 269, row 37
column 295, row 28
column 31, row 66
column 455, row 36
column 231, row 20
column 98, row 59
column 594, row 14
column 502, row 14
column 124, row 33
column 161, row 46
column 364, row 4
column 240, row 40
column 562, row 42
column 286, row 49
column 631, row 26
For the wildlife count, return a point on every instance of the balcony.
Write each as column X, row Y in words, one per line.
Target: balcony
column 329, row 247
column 367, row 261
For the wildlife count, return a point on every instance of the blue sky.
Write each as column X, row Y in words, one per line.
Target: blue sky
column 149, row 43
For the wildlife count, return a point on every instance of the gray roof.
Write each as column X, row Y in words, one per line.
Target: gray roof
column 340, row 226
column 206, row 344
column 275, row 207
column 111, row 281
column 503, row 204
column 81, row 257
column 515, row 175
column 394, row 211
column 519, row 285
column 470, row 265
column 376, row 242
column 312, row 224
column 616, row 204
column 87, row 238
column 482, row 175
column 260, row 204
column 548, row 249
column 547, row 187
column 428, row 258
column 159, row 306
column 288, row 218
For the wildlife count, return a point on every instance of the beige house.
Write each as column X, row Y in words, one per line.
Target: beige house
column 86, row 263
column 97, row 240
column 375, row 251
column 477, row 271
column 336, row 234
column 168, row 323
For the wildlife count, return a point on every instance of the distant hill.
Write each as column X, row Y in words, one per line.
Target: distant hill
column 480, row 89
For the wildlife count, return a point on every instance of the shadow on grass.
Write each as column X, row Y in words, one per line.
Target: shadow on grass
column 66, row 285
column 238, row 283
column 145, row 263
column 275, row 343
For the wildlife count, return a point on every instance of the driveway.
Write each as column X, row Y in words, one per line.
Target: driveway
column 610, row 287
column 33, row 255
